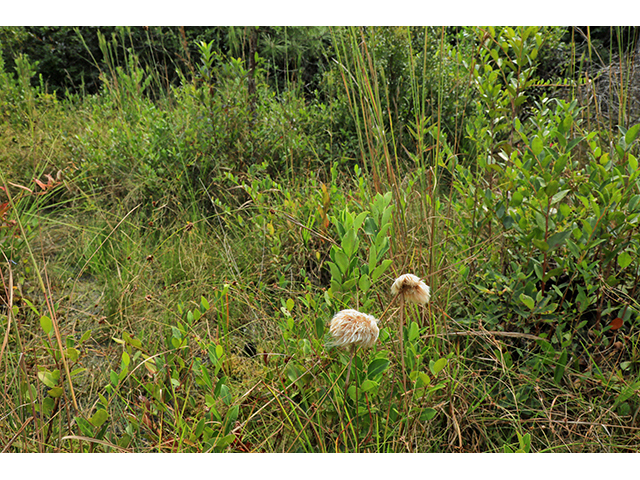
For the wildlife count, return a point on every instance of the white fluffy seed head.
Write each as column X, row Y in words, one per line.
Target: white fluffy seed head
column 351, row 327
column 413, row 289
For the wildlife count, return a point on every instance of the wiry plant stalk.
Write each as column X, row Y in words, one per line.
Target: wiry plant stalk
column 401, row 333
column 346, row 382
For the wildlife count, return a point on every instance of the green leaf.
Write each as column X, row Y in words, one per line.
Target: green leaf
column 537, row 268
column 380, row 269
column 204, row 305
column 99, row 418
column 290, row 304
column 72, row 354
column 349, row 284
column 199, row 427
column 85, row 427
column 351, row 391
column 319, row 327
column 31, row 306
column 176, row 333
column 631, row 134
column 335, row 272
column 225, row 441
column 55, row 392
column 541, row 244
column 517, row 198
column 572, row 144
column 225, row 394
column 377, row 367
column 428, row 414
column 327, row 296
column 386, row 216
column 125, row 359
column 558, row 239
column 541, row 221
column 520, row 100
column 382, row 245
column 559, row 372
column 293, row 372
column 437, row 366
column 566, row 123
column 422, row 380
column 552, row 188
column 370, row 227
column 525, row 443
column 134, row 342
column 413, row 331
column 624, row 259
column 46, row 324
column 368, row 385
column 230, row 418
column 77, row 371
column 48, row 379
column 527, row 300
column 342, row 261
column 536, row 145
column 364, row 283
column 505, row 357
column 350, row 243
column 559, row 196
column 380, row 237
column 358, row 221
column 552, row 273
column 373, row 257
column 627, row 393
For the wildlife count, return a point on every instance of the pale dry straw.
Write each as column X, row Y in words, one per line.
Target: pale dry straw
column 351, row 327
column 412, row 287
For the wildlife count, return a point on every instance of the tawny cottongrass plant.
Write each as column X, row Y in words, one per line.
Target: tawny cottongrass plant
column 412, row 288
column 351, row 327
column 409, row 288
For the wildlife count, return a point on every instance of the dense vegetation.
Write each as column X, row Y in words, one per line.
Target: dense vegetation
column 183, row 210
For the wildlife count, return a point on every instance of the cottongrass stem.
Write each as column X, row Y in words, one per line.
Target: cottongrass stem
column 412, row 289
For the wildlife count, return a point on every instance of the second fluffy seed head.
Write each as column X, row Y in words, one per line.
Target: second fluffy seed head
column 412, row 287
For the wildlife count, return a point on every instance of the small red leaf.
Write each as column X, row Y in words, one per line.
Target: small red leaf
column 4, row 208
column 616, row 323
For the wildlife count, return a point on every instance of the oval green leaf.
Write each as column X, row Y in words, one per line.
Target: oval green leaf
column 527, row 300
column 377, row 367
column 46, row 324
column 99, row 418
column 624, row 259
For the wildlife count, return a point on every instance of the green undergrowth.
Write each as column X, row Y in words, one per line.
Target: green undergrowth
column 172, row 257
